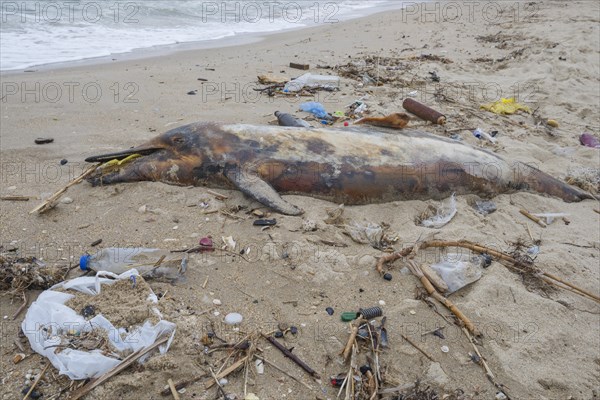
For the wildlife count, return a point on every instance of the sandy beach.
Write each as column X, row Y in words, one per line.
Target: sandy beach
column 539, row 342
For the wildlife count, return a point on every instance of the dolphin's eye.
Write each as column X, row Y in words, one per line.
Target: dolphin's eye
column 178, row 139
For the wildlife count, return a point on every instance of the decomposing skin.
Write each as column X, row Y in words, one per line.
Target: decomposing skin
column 350, row 166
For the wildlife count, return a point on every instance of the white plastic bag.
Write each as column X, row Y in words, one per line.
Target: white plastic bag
column 444, row 214
column 48, row 317
column 458, row 270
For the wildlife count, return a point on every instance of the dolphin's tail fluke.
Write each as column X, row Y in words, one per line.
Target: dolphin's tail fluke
column 540, row 182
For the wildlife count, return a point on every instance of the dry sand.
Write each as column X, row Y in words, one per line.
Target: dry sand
column 539, row 346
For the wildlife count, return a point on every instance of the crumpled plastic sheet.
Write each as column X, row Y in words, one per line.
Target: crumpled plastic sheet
column 505, row 106
column 48, row 317
column 445, row 213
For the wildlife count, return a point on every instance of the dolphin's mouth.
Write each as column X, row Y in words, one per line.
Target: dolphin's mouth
column 120, row 155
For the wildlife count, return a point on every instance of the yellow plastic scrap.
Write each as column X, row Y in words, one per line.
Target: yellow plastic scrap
column 115, row 162
column 505, row 106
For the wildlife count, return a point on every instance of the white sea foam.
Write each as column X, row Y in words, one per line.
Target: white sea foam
column 42, row 32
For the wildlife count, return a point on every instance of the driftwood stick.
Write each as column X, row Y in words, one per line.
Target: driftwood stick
column 487, row 369
column 226, row 372
column 533, row 218
column 484, row 364
column 373, row 379
column 306, row 385
column 36, row 381
column 218, row 195
column 15, row 198
column 88, row 387
column 406, row 252
column 351, row 340
column 558, row 279
column 220, row 391
column 182, row 384
column 436, row 295
column 173, row 390
column 22, row 307
column 503, row 256
column 291, row 356
column 49, row 203
column 413, row 344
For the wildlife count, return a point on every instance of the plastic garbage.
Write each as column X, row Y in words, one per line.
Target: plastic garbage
column 424, row 112
column 481, row 134
column 121, row 259
column 445, row 213
column 49, row 321
column 549, row 217
column 315, row 108
column 459, row 270
column 589, row 140
column 485, row 207
column 327, row 82
column 394, row 121
column 505, row 106
column 285, row 119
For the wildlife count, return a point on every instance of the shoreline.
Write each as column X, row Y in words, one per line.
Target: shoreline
column 167, row 50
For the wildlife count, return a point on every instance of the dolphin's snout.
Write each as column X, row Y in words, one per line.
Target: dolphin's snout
column 119, row 155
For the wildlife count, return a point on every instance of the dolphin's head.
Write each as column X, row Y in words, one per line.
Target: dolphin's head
column 172, row 157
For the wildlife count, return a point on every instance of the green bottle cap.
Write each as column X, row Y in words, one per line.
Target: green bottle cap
column 349, row 316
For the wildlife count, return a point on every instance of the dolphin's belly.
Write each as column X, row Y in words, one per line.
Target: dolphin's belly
column 364, row 184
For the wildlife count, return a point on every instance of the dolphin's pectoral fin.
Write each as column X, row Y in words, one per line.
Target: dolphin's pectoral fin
column 262, row 192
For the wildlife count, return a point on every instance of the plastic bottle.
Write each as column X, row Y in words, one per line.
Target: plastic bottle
column 289, row 120
column 315, row 108
column 481, row 134
column 119, row 260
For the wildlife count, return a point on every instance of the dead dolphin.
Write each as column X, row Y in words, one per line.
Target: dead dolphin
column 350, row 166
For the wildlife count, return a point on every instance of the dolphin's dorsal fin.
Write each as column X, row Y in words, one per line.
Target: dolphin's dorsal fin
column 261, row 191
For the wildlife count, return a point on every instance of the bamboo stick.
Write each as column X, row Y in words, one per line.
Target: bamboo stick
column 50, row 202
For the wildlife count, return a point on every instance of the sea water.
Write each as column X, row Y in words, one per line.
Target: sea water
column 43, row 31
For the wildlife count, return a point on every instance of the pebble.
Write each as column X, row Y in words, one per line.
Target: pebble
column 381, row 303
column 308, row 225
column 412, row 312
column 329, row 310
column 217, row 302
column 34, row 393
column 216, row 313
column 142, row 209
column 436, row 374
column 63, row 161
column 233, row 319
column 223, row 381
column 367, row 261
column 43, row 140
column 501, row 396
column 66, row 200
column 387, row 276
column 445, row 349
